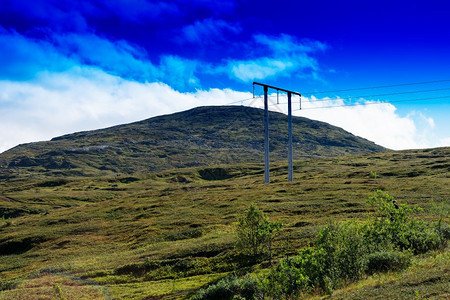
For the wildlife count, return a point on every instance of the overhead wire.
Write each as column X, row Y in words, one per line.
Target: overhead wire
column 364, row 96
column 382, row 95
column 361, row 104
column 244, row 100
column 378, row 87
column 375, row 103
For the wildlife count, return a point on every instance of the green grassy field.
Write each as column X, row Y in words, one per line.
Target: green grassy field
column 166, row 234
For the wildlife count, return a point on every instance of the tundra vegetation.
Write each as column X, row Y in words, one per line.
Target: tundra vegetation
column 341, row 253
column 184, row 233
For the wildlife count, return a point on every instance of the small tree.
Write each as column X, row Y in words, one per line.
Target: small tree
column 255, row 233
column 268, row 231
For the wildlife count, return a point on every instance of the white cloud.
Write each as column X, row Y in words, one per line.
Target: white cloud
column 419, row 115
column 86, row 99
column 283, row 56
column 259, row 68
column 444, row 142
column 379, row 123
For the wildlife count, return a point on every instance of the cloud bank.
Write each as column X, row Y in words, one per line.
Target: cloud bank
column 377, row 122
column 88, row 98
column 85, row 99
column 374, row 120
column 284, row 56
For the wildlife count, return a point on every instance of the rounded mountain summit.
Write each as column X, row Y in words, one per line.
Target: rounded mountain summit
column 197, row 137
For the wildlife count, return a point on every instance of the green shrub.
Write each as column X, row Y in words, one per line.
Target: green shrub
column 392, row 228
column 346, row 251
column 422, row 237
column 232, row 287
column 387, row 261
column 342, row 252
column 386, row 208
column 287, row 279
column 312, row 262
column 345, row 248
column 444, row 232
column 8, row 284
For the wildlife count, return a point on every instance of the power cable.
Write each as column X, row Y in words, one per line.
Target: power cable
column 243, row 100
column 381, row 95
column 379, row 87
column 364, row 96
column 374, row 103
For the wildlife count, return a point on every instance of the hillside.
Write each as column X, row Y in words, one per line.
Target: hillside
column 197, row 137
column 165, row 234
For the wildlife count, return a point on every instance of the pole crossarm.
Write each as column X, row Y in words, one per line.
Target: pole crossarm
column 277, row 88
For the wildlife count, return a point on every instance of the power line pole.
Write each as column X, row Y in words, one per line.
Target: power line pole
column 290, row 164
column 266, row 137
column 266, row 129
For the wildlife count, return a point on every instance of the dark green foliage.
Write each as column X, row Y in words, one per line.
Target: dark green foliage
column 345, row 252
column 294, row 275
column 255, row 233
column 8, row 284
column 387, row 261
column 128, row 179
column 393, row 228
column 229, row 288
column 444, row 231
column 345, row 249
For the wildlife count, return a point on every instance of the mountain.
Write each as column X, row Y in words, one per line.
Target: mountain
column 197, row 137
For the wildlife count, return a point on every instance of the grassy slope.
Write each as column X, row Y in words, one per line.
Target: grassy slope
column 170, row 232
column 197, row 137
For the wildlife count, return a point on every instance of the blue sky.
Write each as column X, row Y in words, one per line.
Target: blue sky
column 68, row 66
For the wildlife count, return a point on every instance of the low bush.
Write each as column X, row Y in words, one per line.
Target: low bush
column 387, row 261
column 287, row 279
column 298, row 274
column 393, row 228
column 345, row 248
column 444, row 232
column 232, row 287
column 343, row 253
column 422, row 237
